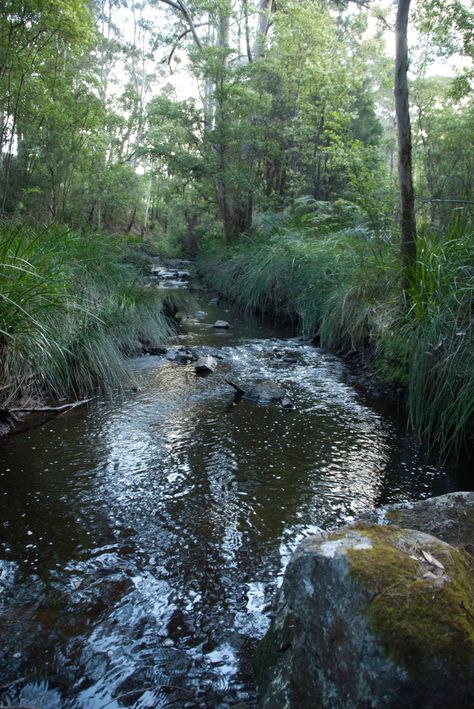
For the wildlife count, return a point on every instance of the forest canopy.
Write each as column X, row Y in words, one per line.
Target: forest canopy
column 281, row 100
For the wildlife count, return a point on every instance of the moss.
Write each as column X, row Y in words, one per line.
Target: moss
column 416, row 618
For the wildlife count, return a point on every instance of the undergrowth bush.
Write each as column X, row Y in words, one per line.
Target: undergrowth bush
column 71, row 309
column 319, row 265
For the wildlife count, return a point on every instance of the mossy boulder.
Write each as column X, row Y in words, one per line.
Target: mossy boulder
column 371, row 616
column 448, row 517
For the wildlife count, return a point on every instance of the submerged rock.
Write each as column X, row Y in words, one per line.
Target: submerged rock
column 221, row 325
column 371, row 616
column 181, row 355
column 264, row 392
column 286, row 356
column 206, row 365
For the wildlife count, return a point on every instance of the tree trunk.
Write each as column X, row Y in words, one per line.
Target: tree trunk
column 407, row 197
column 263, row 24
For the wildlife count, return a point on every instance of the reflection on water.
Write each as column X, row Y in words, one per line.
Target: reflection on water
column 142, row 540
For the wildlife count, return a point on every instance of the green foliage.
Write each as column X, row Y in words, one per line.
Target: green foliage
column 316, row 262
column 443, row 135
column 71, row 308
column 66, row 142
column 440, row 338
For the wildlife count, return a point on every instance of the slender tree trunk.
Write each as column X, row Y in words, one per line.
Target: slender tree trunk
column 264, row 13
column 132, row 220
column 407, row 196
column 9, row 155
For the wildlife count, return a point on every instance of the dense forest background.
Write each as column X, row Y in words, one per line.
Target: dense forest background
column 260, row 134
column 285, row 100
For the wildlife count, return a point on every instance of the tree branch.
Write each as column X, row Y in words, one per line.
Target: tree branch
column 182, row 8
column 177, row 40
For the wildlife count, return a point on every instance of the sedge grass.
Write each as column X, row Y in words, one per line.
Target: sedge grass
column 71, row 309
column 343, row 282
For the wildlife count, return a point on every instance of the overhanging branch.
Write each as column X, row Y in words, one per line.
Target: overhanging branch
column 182, row 8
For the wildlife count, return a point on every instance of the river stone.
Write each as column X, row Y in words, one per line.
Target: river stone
column 205, row 365
column 154, row 350
column 265, row 392
column 286, row 356
column 8, row 421
column 181, row 355
column 449, row 517
column 221, row 325
column 371, row 616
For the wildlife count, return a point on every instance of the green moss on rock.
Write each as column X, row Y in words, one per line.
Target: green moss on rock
column 417, row 610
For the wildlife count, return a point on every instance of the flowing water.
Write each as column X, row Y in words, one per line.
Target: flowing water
column 142, row 539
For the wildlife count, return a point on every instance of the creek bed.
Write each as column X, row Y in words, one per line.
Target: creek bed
column 142, row 539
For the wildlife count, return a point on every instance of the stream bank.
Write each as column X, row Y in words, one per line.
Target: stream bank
column 344, row 286
column 143, row 539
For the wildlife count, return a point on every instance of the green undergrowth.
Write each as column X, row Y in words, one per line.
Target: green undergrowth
column 322, row 267
column 72, row 307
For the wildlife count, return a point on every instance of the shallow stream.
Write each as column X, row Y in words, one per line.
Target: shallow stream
column 142, row 539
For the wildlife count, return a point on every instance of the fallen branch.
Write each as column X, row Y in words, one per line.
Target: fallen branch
column 51, row 409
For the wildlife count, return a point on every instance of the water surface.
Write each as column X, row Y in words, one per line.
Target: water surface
column 142, row 539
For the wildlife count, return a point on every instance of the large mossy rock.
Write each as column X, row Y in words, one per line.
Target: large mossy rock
column 448, row 517
column 371, row 616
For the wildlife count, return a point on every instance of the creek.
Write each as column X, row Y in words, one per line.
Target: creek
column 143, row 538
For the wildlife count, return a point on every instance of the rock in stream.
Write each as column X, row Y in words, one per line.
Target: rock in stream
column 374, row 616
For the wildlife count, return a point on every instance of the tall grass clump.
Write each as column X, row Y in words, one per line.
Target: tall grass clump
column 316, row 264
column 438, row 337
column 71, row 309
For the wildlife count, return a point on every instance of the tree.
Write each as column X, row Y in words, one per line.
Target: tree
column 405, row 176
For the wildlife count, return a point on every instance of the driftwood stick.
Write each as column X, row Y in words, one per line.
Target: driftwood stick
column 235, row 386
column 52, row 409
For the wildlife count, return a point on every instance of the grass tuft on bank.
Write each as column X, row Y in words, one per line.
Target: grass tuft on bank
column 320, row 266
column 72, row 307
